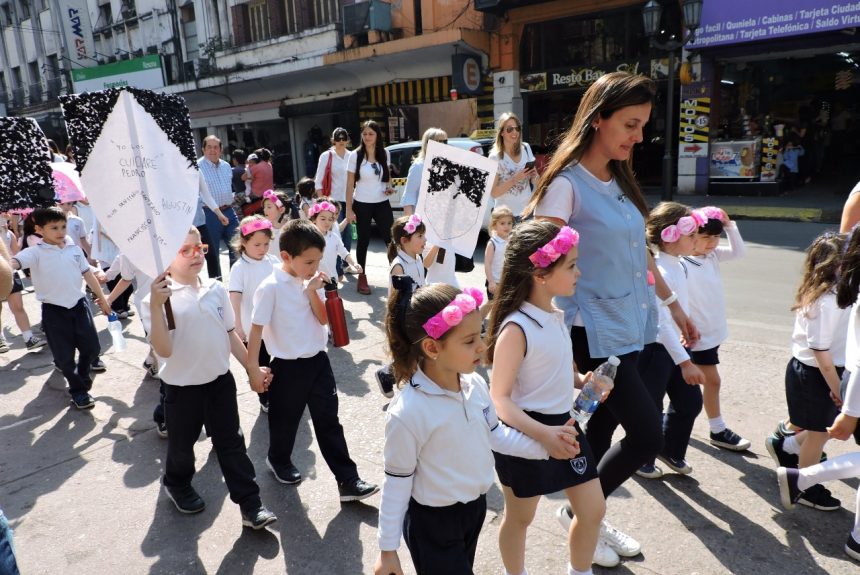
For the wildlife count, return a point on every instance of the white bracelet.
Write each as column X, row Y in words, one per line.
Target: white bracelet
column 669, row 300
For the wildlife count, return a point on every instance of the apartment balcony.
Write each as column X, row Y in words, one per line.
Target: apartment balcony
column 54, row 88
column 35, row 92
column 17, row 100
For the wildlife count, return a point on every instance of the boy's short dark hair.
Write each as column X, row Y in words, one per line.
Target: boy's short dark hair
column 239, row 156
column 44, row 216
column 713, row 227
column 300, row 235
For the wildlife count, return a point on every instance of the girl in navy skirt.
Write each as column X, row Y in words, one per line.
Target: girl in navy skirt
column 532, row 388
column 440, row 432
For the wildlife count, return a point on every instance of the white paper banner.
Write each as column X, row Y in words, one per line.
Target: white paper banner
column 454, row 194
column 141, row 187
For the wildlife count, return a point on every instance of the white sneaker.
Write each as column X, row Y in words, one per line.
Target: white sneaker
column 604, row 555
column 564, row 517
column 621, row 543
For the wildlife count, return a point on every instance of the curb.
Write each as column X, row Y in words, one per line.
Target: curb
column 816, row 215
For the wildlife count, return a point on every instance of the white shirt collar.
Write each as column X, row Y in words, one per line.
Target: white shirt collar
column 420, row 382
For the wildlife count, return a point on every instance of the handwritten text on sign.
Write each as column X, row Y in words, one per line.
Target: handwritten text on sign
column 141, row 187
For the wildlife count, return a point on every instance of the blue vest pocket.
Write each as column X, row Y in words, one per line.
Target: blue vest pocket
column 615, row 322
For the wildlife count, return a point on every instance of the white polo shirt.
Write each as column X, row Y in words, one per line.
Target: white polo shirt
column 674, row 272
column 57, row 272
column 246, row 275
column 442, row 273
column 290, row 328
column 545, row 380
column 275, row 244
column 76, row 229
column 333, row 247
column 201, row 343
column 442, row 441
column 130, row 272
column 821, row 327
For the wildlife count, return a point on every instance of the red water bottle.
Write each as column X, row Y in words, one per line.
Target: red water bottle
column 336, row 316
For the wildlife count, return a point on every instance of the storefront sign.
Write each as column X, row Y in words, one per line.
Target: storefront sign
column 564, row 78
column 142, row 73
column 769, row 152
column 78, row 32
column 738, row 21
column 466, row 74
column 693, row 125
column 735, row 159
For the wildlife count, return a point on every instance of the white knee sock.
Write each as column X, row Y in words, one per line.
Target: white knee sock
column 717, row 424
column 572, row 571
column 856, row 532
column 790, row 445
column 841, row 467
column 525, row 572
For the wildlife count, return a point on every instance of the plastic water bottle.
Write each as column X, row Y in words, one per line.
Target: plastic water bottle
column 602, row 381
column 115, row 329
column 354, row 232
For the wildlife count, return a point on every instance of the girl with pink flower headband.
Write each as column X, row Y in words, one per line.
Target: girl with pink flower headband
column 442, row 424
column 404, row 257
column 275, row 209
column 708, row 311
column 665, row 365
column 323, row 214
column 253, row 264
column 532, row 387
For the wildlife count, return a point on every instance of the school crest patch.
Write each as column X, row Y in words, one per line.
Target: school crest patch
column 580, row 464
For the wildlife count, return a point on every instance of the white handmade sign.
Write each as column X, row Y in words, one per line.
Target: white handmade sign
column 453, row 196
column 140, row 186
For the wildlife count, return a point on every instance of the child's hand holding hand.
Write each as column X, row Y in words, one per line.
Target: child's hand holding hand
column 160, row 290
column 692, row 374
column 842, row 427
column 257, row 379
column 560, row 441
column 491, row 287
column 388, row 563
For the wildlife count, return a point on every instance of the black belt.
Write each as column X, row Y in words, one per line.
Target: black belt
column 222, row 208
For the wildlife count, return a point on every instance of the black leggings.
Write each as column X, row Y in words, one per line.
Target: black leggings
column 629, row 405
column 380, row 212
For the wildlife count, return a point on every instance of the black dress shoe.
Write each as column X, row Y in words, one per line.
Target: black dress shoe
column 186, row 499
column 287, row 474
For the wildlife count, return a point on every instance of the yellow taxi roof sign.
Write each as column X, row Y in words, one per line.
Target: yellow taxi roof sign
column 482, row 134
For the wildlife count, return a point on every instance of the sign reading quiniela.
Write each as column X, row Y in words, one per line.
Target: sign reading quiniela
column 144, row 72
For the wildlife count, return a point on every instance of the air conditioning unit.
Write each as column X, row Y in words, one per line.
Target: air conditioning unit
column 363, row 16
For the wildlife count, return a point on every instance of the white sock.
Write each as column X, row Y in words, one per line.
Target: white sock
column 525, row 572
column 717, row 424
column 856, row 532
column 790, row 445
column 841, row 467
column 27, row 335
column 572, row 571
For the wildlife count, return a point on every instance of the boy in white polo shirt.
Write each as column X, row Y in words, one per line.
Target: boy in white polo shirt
column 194, row 360
column 291, row 318
column 56, row 269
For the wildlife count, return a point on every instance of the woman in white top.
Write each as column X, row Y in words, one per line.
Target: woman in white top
column 367, row 191
column 334, row 161
column 517, row 174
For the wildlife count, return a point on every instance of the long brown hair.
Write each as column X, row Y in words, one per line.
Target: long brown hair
column 499, row 142
column 379, row 154
column 607, row 95
column 518, row 273
column 820, row 269
column 407, row 312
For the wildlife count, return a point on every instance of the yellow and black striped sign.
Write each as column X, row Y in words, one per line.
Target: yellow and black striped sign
column 408, row 93
column 693, row 125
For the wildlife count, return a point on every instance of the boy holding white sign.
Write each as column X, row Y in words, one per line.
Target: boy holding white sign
column 56, row 269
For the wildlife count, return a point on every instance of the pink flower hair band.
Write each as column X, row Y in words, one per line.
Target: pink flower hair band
column 453, row 313
column 273, row 197
column 565, row 239
column 255, row 226
column 412, row 224
column 712, row 213
column 685, row 226
column 324, row 205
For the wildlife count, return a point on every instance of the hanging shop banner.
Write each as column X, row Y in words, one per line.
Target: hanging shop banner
column 136, row 156
column 769, row 153
column 453, row 196
column 144, row 73
column 466, row 74
column 77, row 30
column 736, row 159
column 578, row 77
column 693, row 126
column 737, row 21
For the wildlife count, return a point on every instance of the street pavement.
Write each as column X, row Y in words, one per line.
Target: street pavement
column 82, row 489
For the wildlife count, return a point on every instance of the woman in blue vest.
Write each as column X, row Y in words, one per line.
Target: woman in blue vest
column 589, row 185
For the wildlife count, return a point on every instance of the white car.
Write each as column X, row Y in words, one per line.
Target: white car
column 401, row 159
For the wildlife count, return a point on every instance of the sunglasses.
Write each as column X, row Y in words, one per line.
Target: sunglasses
column 512, row 129
column 341, row 139
column 376, row 169
column 191, row 251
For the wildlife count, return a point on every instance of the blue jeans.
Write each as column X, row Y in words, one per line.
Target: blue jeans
column 345, row 235
column 8, row 565
column 218, row 232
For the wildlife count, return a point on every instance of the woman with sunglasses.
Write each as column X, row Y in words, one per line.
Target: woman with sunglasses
column 517, row 175
column 367, row 191
column 332, row 169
